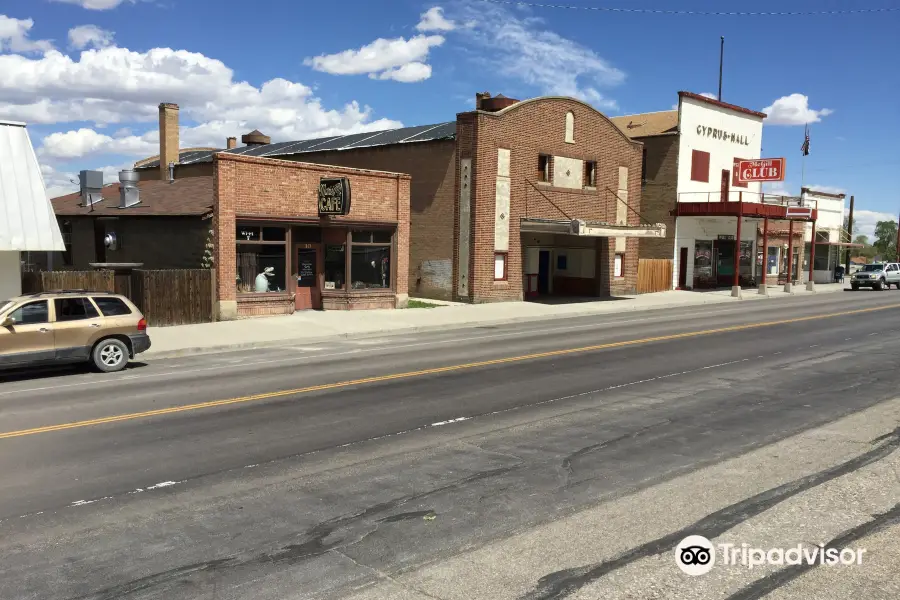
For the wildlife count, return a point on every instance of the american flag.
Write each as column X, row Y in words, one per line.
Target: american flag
column 805, row 147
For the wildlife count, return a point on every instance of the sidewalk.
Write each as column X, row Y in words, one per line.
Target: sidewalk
column 307, row 326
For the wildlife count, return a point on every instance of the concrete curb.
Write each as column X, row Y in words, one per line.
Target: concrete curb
column 400, row 330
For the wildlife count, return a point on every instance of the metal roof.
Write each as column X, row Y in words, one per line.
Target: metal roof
column 403, row 135
column 27, row 220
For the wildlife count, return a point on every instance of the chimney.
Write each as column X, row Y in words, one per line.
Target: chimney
column 256, row 138
column 168, row 138
column 497, row 103
column 91, row 187
column 231, row 143
column 479, row 97
column 129, row 192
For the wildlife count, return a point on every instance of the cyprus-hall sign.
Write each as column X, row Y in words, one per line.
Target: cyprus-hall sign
column 334, row 196
column 721, row 134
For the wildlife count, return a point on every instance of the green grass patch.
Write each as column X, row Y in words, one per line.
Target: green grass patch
column 420, row 304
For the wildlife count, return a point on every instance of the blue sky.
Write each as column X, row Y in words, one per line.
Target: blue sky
column 87, row 75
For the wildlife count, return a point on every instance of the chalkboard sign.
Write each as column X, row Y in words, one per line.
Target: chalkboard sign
column 306, row 276
column 334, row 196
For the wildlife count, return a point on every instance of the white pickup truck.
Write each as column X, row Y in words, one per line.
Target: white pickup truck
column 879, row 276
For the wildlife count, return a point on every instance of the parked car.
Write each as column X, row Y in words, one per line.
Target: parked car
column 71, row 326
column 877, row 276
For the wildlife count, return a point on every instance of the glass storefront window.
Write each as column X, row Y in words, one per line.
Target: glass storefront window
column 335, row 267
column 378, row 236
column 261, row 268
column 746, row 258
column 370, row 267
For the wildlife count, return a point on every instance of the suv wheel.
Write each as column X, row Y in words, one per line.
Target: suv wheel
column 879, row 285
column 110, row 355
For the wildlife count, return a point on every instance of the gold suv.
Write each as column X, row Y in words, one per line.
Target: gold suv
column 71, row 326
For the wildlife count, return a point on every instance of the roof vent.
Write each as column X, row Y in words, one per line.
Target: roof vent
column 256, row 138
column 129, row 192
column 91, row 185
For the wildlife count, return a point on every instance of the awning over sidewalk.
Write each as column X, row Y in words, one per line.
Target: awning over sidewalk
column 584, row 228
column 747, row 210
column 27, row 220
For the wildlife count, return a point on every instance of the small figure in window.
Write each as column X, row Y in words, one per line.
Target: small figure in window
column 262, row 280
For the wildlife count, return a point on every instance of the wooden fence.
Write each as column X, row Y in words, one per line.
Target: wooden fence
column 166, row 297
column 48, row 281
column 654, row 275
column 174, row 297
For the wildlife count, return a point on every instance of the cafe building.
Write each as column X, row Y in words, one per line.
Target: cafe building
column 293, row 236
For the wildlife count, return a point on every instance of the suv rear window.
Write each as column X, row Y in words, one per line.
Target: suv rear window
column 74, row 309
column 111, row 307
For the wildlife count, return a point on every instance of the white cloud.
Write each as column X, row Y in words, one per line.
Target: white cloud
column 89, row 35
column 87, row 142
column 522, row 48
column 864, row 222
column 382, row 57
column 828, row 189
column 778, row 188
column 95, row 4
column 793, row 110
column 408, row 73
column 14, row 36
column 434, row 20
column 118, row 86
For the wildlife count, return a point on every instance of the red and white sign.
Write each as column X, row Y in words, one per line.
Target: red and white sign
column 798, row 212
column 763, row 169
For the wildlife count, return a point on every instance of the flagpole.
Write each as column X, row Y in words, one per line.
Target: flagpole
column 803, row 164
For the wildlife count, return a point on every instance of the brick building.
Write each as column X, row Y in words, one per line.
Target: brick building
column 493, row 195
column 293, row 236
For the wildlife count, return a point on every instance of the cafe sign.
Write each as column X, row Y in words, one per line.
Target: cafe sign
column 334, row 196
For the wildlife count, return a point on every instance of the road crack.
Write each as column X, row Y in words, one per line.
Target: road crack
column 560, row 584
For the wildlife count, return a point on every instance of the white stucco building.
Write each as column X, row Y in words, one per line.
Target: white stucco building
column 712, row 136
column 830, row 236
column 27, row 220
column 689, row 184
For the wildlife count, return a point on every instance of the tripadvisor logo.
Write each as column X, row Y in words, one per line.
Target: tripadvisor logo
column 696, row 555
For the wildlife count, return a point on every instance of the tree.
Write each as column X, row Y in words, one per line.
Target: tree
column 861, row 239
column 886, row 240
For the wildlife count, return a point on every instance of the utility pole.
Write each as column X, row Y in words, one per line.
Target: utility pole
column 721, row 60
column 850, row 238
column 897, row 241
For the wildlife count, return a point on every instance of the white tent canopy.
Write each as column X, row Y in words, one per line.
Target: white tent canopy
column 27, row 220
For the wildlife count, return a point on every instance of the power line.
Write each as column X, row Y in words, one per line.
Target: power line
column 660, row 11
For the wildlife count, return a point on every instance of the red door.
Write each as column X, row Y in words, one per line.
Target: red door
column 309, row 294
column 726, row 185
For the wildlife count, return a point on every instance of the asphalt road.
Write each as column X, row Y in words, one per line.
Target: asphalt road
column 312, row 471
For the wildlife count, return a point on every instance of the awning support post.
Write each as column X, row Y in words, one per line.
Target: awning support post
column 788, row 285
column 811, row 284
column 736, row 286
column 763, row 289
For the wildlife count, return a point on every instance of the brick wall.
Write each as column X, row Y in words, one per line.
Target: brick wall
column 529, row 129
column 284, row 190
column 659, row 194
column 432, row 203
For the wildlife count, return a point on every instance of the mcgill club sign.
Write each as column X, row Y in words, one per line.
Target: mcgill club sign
column 762, row 169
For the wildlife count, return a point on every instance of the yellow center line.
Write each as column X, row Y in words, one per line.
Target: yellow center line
column 423, row 372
